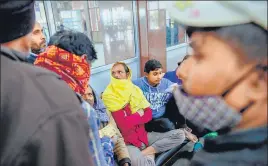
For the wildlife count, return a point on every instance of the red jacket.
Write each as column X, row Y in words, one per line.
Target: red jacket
column 132, row 125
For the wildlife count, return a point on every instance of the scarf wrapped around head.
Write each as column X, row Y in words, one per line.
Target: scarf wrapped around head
column 73, row 69
column 119, row 93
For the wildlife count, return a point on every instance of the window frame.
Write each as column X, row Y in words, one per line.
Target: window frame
column 51, row 24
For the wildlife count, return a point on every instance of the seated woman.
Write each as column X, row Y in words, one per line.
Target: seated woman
column 108, row 127
column 131, row 111
column 69, row 54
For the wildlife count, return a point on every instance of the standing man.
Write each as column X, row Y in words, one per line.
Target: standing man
column 42, row 121
column 38, row 42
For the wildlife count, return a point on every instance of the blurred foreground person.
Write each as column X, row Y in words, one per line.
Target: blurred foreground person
column 42, row 122
column 69, row 54
column 225, row 89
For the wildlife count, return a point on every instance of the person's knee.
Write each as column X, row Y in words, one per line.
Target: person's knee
column 178, row 135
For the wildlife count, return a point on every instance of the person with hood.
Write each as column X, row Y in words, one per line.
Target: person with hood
column 108, row 127
column 131, row 110
column 226, row 88
column 154, row 86
column 41, row 117
column 38, row 42
column 69, row 54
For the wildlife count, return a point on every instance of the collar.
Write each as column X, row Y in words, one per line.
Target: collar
column 253, row 135
column 238, row 140
column 13, row 54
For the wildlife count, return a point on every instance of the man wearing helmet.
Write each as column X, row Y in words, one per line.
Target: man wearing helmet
column 229, row 76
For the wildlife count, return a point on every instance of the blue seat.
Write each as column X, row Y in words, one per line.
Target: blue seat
column 163, row 158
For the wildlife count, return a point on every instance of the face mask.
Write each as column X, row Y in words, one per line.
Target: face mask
column 210, row 112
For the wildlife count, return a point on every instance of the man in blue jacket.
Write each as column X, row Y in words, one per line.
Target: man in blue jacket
column 154, row 88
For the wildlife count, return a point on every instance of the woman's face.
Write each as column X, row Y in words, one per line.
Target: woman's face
column 89, row 96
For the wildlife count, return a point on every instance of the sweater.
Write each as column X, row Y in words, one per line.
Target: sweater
column 157, row 96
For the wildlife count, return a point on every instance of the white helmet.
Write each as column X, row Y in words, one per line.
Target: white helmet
column 218, row 13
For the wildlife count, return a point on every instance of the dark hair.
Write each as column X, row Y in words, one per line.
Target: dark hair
column 74, row 42
column 152, row 65
column 250, row 38
column 184, row 58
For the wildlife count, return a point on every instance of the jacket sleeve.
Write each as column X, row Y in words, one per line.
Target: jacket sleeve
column 147, row 115
column 63, row 141
column 94, row 144
column 120, row 149
column 126, row 121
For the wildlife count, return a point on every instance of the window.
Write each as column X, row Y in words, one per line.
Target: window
column 41, row 17
column 109, row 24
column 69, row 15
column 112, row 30
column 175, row 34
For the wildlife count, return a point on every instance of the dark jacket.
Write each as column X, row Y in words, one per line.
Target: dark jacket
column 42, row 122
column 238, row 148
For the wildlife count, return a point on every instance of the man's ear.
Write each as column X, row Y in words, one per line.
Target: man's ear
column 146, row 74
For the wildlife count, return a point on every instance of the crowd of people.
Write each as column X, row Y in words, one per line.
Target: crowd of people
column 215, row 100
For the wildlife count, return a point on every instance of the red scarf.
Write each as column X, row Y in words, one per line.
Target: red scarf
column 73, row 69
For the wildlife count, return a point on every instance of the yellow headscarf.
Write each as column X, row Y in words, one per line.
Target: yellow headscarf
column 121, row 92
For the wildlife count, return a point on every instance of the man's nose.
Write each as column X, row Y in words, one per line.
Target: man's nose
column 116, row 75
column 43, row 37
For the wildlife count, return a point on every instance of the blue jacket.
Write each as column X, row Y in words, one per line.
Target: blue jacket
column 95, row 146
column 171, row 76
column 31, row 58
column 156, row 96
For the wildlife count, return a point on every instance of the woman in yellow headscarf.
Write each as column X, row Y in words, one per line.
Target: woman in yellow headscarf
column 128, row 105
column 131, row 111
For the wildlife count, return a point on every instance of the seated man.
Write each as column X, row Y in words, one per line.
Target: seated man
column 172, row 75
column 154, row 89
column 108, row 127
column 131, row 111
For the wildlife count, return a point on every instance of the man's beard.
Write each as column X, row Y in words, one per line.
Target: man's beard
column 35, row 51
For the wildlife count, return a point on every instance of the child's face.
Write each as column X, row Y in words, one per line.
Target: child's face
column 154, row 77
